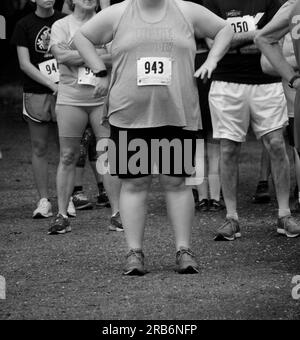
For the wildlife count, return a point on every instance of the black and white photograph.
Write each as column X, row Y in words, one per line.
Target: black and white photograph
column 149, row 163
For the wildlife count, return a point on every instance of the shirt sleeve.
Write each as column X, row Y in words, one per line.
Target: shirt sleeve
column 20, row 36
column 58, row 34
column 278, row 27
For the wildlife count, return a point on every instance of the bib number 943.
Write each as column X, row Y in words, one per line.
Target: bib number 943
column 154, row 71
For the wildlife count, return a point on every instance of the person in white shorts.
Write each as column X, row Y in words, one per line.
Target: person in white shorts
column 242, row 95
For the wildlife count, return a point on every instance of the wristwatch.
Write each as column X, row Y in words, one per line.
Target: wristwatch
column 101, row 74
column 294, row 78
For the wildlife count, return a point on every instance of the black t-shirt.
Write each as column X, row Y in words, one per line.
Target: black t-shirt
column 240, row 66
column 34, row 33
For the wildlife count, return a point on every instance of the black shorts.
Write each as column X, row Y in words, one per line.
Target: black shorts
column 135, row 151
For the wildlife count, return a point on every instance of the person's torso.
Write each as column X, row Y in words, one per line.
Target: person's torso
column 242, row 65
column 153, row 64
column 295, row 30
column 70, row 91
column 38, row 32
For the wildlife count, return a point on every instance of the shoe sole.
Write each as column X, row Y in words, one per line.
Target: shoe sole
column 189, row 270
column 226, row 238
column 103, row 205
column 135, row 272
column 283, row 232
column 112, row 228
column 88, row 206
column 62, row 232
column 41, row 217
column 71, row 215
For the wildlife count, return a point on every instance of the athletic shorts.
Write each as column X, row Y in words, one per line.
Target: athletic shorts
column 139, row 153
column 73, row 120
column 235, row 106
column 39, row 108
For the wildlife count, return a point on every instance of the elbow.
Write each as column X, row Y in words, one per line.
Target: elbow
column 259, row 40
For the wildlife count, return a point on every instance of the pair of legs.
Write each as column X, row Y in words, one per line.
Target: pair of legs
column 211, row 187
column 72, row 122
column 275, row 146
column 133, row 208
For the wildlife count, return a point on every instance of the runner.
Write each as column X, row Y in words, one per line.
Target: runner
column 153, row 96
column 268, row 41
column 76, row 107
column 31, row 36
column 242, row 94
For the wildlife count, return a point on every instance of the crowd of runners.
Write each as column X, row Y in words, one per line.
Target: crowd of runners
column 118, row 77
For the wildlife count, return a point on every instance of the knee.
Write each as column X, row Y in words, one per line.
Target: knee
column 229, row 150
column 276, row 147
column 68, row 157
column 39, row 149
column 173, row 183
column 136, row 185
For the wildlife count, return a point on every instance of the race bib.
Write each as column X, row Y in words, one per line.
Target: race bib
column 50, row 69
column 242, row 24
column 86, row 76
column 154, row 71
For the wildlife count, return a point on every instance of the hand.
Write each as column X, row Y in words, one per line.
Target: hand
column 54, row 88
column 101, row 87
column 296, row 84
column 64, row 46
column 206, row 70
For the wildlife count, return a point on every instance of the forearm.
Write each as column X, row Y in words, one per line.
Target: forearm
column 106, row 58
column 274, row 54
column 88, row 53
column 68, row 57
column 242, row 39
column 221, row 44
column 32, row 72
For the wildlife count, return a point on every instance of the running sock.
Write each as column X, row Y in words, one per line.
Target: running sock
column 233, row 216
column 284, row 213
column 77, row 189
column 214, row 187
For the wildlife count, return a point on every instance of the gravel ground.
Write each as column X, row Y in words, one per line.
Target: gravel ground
column 78, row 276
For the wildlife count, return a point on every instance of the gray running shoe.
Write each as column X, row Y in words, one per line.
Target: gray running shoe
column 229, row 231
column 185, row 261
column 288, row 227
column 135, row 263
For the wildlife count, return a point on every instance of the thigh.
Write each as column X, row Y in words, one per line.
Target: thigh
column 39, row 133
column 95, row 118
column 268, row 108
column 71, row 120
column 230, row 111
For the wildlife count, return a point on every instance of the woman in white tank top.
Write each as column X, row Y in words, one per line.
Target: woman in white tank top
column 153, row 95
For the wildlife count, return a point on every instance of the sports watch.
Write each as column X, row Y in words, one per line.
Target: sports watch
column 292, row 81
column 103, row 74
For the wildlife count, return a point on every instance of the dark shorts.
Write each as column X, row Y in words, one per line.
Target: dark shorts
column 135, row 151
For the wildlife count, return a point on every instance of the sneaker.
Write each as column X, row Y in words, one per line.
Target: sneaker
column 229, row 231
column 203, row 205
column 216, row 206
column 196, row 196
column 71, row 209
column 135, row 263
column 103, row 201
column 185, row 261
column 81, row 202
column 60, row 225
column 116, row 223
column 44, row 209
column 288, row 227
column 262, row 194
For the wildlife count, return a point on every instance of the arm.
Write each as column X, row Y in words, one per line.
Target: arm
column 267, row 40
column 209, row 25
column 66, row 56
column 31, row 71
column 267, row 67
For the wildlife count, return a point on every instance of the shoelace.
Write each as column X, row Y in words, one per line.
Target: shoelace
column 185, row 251
column 136, row 253
column 80, row 196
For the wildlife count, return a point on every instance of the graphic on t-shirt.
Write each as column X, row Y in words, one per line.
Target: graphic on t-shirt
column 42, row 40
